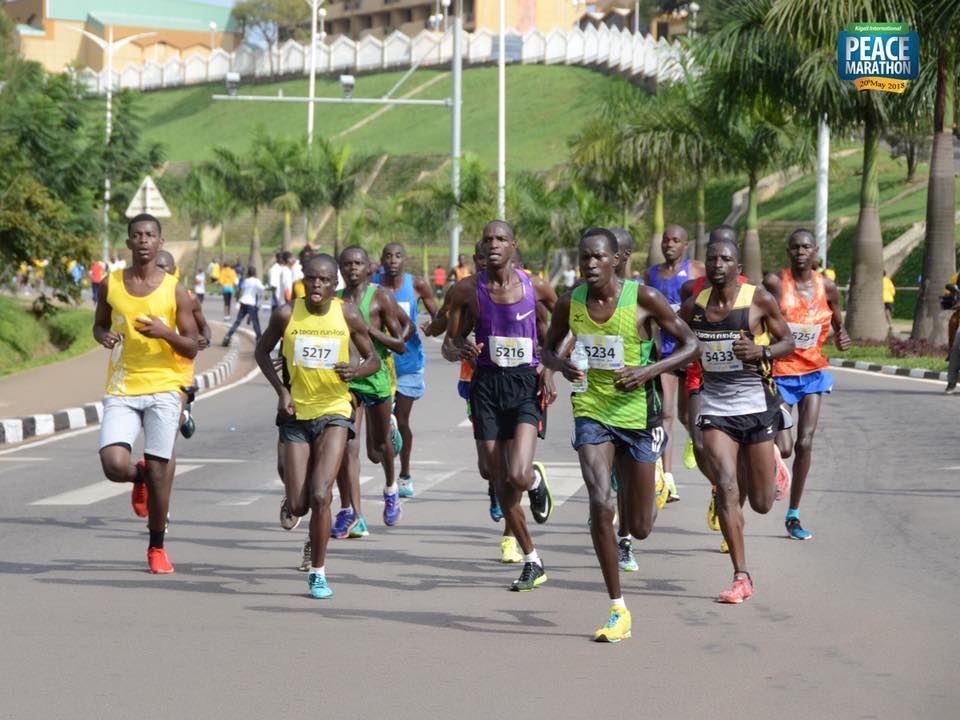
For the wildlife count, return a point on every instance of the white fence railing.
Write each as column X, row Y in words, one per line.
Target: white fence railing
column 619, row 50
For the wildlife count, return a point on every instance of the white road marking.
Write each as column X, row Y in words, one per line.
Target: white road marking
column 23, row 458
column 465, row 423
column 210, row 461
column 564, row 481
column 871, row 373
column 102, row 490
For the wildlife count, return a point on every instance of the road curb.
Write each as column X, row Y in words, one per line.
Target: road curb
column 920, row 373
column 16, row 430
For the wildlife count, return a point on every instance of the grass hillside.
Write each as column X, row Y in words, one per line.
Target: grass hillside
column 28, row 341
column 545, row 106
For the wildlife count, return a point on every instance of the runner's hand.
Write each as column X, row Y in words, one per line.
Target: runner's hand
column 203, row 342
column 150, row 326
column 745, row 349
column 470, row 351
column 842, row 340
column 631, row 377
column 109, row 339
column 285, row 405
column 548, row 388
column 571, row 372
column 346, row 371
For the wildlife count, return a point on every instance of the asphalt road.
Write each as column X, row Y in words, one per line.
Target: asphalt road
column 858, row 623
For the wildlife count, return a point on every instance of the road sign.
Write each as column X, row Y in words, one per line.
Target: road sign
column 148, row 199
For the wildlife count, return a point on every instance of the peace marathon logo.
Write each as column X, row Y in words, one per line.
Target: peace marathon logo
column 878, row 56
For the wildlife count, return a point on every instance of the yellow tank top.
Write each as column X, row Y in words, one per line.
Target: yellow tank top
column 140, row 365
column 312, row 344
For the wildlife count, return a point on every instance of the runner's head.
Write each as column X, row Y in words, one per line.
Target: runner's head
column 392, row 259
column 722, row 232
column 320, row 278
column 723, row 263
column 479, row 258
column 599, row 256
column 144, row 238
column 625, row 242
column 802, row 250
column 499, row 243
column 354, row 265
column 674, row 243
column 166, row 262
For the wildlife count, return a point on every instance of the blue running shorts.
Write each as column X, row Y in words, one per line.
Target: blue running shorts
column 793, row 388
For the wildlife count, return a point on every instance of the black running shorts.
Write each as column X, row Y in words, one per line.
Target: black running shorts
column 746, row 429
column 501, row 399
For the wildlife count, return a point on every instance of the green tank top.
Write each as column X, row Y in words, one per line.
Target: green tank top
column 378, row 384
column 612, row 344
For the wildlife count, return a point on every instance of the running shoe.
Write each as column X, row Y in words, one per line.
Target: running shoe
column 360, row 529
column 306, row 562
column 158, row 561
column 617, row 627
column 391, row 509
column 345, row 520
column 288, row 521
column 783, row 475
column 625, row 557
column 741, row 589
column 951, row 387
column 672, row 494
column 188, row 427
column 405, row 486
column 660, row 487
column 713, row 520
column 532, row 575
column 724, row 547
column 496, row 512
column 509, row 550
column 689, row 457
column 318, row 586
column 541, row 499
column 795, row 531
column 140, row 493
column 395, row 435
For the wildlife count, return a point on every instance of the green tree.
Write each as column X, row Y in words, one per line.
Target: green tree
column 341, row 173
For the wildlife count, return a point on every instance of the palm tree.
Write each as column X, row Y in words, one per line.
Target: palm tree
column 812, row 30
column 341, row 172
column 279, row 160
column 941, row 21
column 193, row 201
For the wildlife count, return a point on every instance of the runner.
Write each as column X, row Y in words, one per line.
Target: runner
column 668, row 277
column 315, row 409
column 509, row 390
column 810, row 304
column 409, row 366
column 145, row 318
column 248, row 305
column 739, row 404
column 372, row 396
column 617, row 416
column 188, row 426
column 228, row 285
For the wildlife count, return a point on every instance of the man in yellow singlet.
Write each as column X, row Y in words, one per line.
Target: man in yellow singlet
column 145, row 318
column 314, row 409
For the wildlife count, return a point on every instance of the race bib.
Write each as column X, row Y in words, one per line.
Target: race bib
column 405, row 306
column 718, row 356
column 604, row 352
column 804, row 336
column 510, row 351
column 316, row 353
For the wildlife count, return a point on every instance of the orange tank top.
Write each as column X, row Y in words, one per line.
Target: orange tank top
column 809, row 321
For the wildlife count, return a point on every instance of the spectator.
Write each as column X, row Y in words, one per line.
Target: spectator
column 889, row 293
column 200, row 285
column 97, row 272
column 273, row 279
column 249, row 304
column 228, row 284
column 439, row 279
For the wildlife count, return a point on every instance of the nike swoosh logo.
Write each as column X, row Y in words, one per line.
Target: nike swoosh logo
column 521, row 317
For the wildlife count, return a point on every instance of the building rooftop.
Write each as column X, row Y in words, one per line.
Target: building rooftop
column 175, row 14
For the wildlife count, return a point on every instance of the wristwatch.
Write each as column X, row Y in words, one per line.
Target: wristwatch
column 766, row 353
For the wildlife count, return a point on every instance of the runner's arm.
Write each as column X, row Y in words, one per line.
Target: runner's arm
column 203, row 341
column 426, row 294
column 772, row 284
column 102, row 320
column 768, row 314
column 390, row 313
column 360, row 337
column 655, row 306
column 552, row 353
column 277, row 325
column 456, row 345
column 840, row 337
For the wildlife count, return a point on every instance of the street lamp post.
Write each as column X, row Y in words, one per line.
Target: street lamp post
column 502, row 117
column 694, row 9
column 446, row 9
column 108, row 46
column 213, row 36
column 455, row 132
column 315, row 12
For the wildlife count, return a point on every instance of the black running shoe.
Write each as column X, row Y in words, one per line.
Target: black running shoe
column 532, row 575
column 541, row 499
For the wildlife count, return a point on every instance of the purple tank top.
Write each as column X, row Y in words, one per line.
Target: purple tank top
column 670, row 287
column 516, row 320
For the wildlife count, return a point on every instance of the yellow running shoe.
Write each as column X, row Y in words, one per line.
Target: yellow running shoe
column 724, row 548
column 509, row 551
column 689, row 458
column 713, row 520
column 660, row 487
column 617, row 627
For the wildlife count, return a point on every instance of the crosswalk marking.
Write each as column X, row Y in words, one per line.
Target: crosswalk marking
column 103, row 490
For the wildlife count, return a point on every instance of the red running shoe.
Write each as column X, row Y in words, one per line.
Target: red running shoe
column 741, row 589
column 158, row 561
column 783, row 475
column 138, row 498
